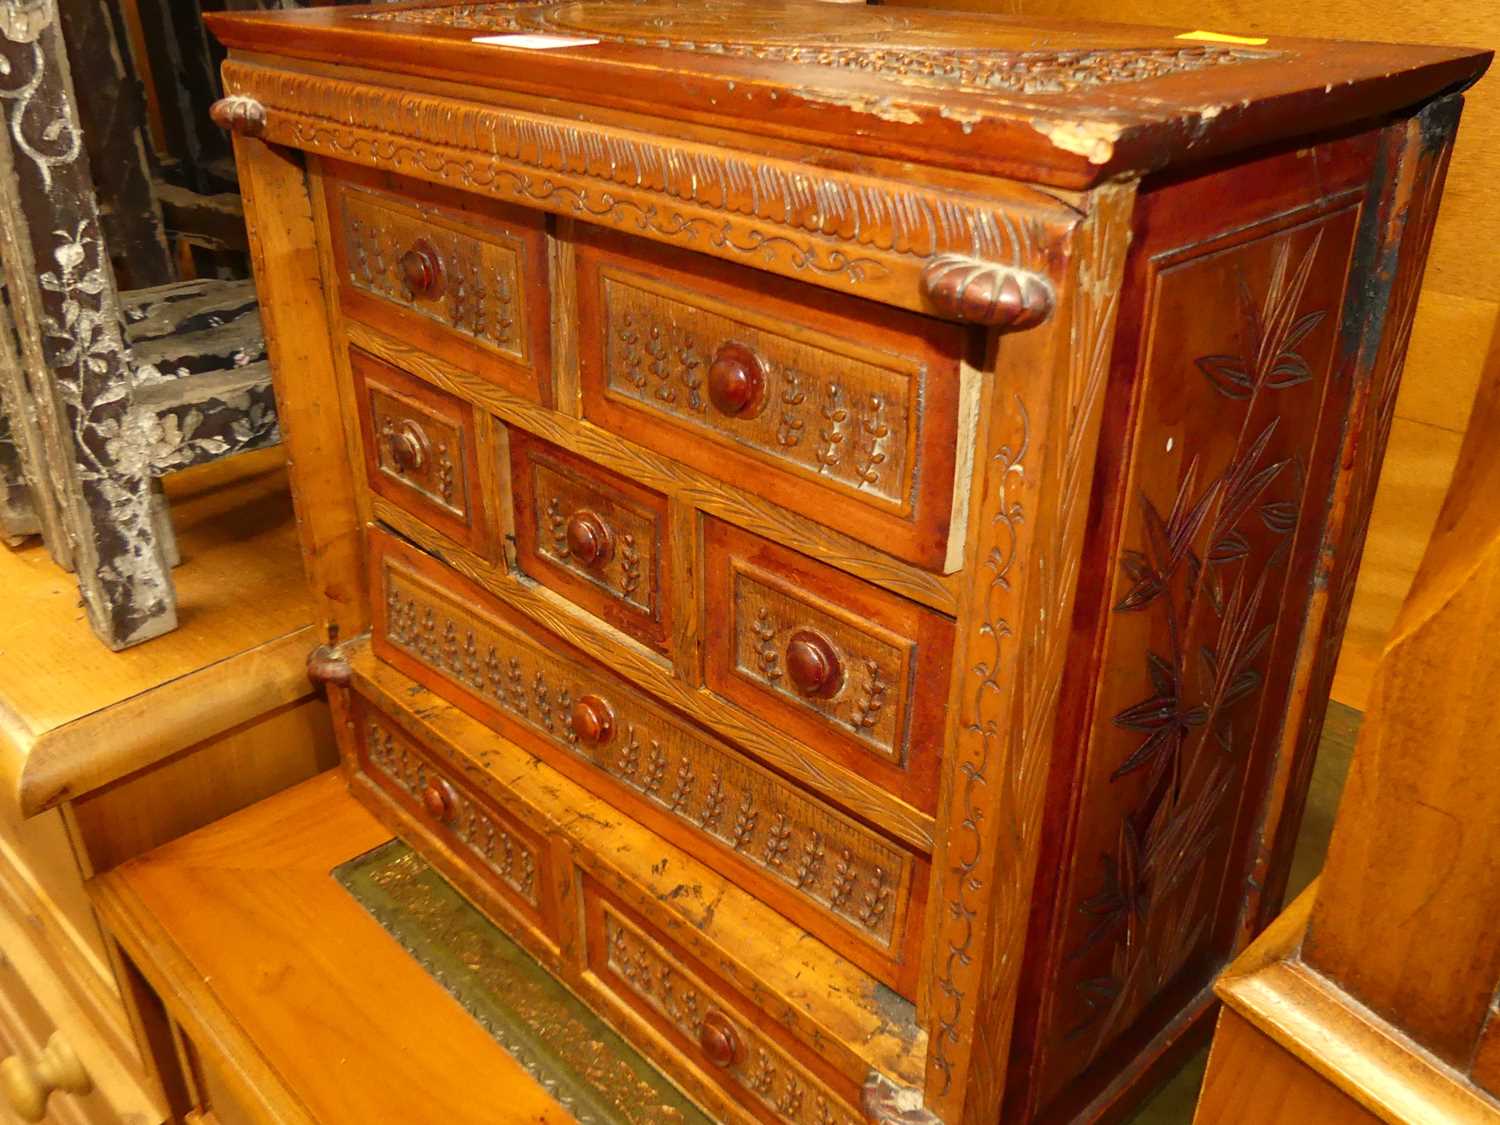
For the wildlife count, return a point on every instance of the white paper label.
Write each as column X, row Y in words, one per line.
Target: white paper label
column 534, row 42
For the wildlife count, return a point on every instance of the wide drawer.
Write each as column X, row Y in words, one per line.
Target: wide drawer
column 854, row 888
column 508, row 856
column 844, row 411
column 737, row 1046
column 458, row 276
column 849, row 668
column 420, row 450
column 596, row 538
column 41, row 1069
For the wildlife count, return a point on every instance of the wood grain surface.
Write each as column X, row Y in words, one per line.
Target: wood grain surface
column 275, row 982
column 245, row 631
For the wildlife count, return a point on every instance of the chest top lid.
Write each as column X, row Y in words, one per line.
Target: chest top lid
column 1053, row 101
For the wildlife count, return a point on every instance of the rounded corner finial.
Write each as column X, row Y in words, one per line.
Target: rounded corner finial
column 239, row 114
column 980, row 292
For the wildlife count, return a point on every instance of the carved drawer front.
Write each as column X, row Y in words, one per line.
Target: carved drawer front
column 738, row 1047
column 855, row 671
column 507, row 856
column 463, row 278
column 594, row 537
column 842, row 410
column 419, row 450
column 852, row 887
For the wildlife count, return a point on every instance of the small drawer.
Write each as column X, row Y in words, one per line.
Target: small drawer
column 855, row 889
column 594, row 537
column 508, row 856
column 458, row 276
column 737, row 1046
column 842, row 410
column 419, row 450
column 849, row 668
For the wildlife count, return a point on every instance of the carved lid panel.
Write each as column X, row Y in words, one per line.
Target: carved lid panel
column 1063, row 102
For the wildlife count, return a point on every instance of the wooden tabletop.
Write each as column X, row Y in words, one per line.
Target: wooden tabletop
column 1068, row 103
column 74, row 715
column 302, row 1002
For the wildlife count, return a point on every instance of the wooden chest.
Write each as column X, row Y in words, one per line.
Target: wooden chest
column 907, row 470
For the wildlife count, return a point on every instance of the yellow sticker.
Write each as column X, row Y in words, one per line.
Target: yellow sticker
column 1220, row 37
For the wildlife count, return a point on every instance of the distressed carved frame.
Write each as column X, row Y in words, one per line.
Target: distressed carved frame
column 992, row 257
column 1038, row 426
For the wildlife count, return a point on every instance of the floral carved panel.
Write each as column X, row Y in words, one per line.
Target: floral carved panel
column 853, row 877
column 1220, row 535
column 826, row 410
column 764, row 1070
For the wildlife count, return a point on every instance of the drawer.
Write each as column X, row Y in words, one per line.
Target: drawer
column 508, row 856
column 851, row 886
column 39, row 1069
column 851, row 669
column 839, row 409
column 737, row 1046
column 455, row 275
column 594, row 537
column 420, row 450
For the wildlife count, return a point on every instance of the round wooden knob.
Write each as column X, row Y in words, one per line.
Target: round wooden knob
column 239, row 114
column 589, row 538
column 409, row 447
column 719, row 1040
column 735, row 380
column 439, row 799
column 593, row 720
column 813, row 664
column 422, row 269
column 27, row 1085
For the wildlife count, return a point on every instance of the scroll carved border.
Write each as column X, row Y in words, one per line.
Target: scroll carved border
column 1040, row 458
column 845, row 231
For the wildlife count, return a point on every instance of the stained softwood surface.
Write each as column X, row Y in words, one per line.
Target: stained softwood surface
column 288, row 995
column 948, row 546
column 241, row 593
column 104, row 755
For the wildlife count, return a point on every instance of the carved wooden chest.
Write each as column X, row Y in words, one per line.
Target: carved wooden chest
column 834, row 524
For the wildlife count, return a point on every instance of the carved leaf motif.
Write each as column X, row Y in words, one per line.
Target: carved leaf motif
column 1231, row 374
column 778, row 841
column 470, row 822
column 630, row 565
column 1279, row 516
column 1148, row 886
column 786, row 840
column 866, row 711
column 767, row 655
column 713, row 803
column 1165, row 719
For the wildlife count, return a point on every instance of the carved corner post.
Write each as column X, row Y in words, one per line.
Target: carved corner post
column 1039, row 427
column 76, row 366
column 284, row 249
column 1391, row 257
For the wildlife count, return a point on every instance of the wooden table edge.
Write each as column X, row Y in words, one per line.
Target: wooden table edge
column 211, row 1027
column 104, row 746
column 1331, row 1032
